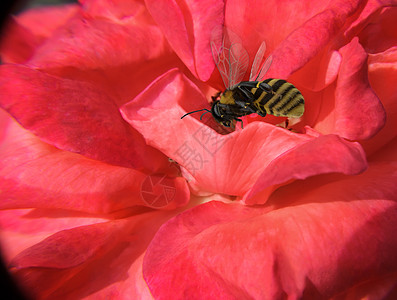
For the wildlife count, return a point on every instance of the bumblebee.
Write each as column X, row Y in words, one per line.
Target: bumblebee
column 258, row 95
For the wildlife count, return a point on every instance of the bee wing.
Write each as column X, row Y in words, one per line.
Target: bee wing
column 266, row 65
column 256, row 73
column 238, row 61
column 231, row 60
column 257, row 61
column 220, row 58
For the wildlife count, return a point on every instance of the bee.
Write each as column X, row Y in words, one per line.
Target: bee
column 257, row 95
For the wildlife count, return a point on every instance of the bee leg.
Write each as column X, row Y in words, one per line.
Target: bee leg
column 266, row 88
column 246, row 90
column 248, row 108
column 262, row 114
column 239, row 120
column 241, row 103
column 223, row 106
column 246, row 105
column 251, row 108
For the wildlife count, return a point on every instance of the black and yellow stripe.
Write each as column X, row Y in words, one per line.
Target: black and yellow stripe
column 285, row 100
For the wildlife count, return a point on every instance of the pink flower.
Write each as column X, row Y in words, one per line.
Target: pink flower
column 92, row 205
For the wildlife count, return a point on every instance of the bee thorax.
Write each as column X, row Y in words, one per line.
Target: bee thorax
column 227, row 97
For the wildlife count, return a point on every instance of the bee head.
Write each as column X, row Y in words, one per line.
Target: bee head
column 219, row 115
column 217, row 112
column 226, row 123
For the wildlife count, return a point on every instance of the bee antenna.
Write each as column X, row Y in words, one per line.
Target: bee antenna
column 205, row 113
column 206, row 110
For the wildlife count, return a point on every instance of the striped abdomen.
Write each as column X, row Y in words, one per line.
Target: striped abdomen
column 285, row 101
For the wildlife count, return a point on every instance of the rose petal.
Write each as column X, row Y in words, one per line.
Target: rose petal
column 359, row 113
column 301, row 38
column 382, row 75
column 18, row 43
column 23, row 228
column 228, row 164
column 381, row 288
column 309, row 250
column 69, row 248
column 375, row 26
column 319, row 72
column 116, row 46
column 188, row 26
column 245, row 18
column 99, row 43
column 34, row 174
column 25, row 32
column 325, row 154
column 75, row 263
column 73, row 116
column 133, row 287
column 44, row 20
column 386, row 153
column 112, row 10
column 306, row 41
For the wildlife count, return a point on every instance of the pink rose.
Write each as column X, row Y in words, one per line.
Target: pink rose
column 107, row 193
